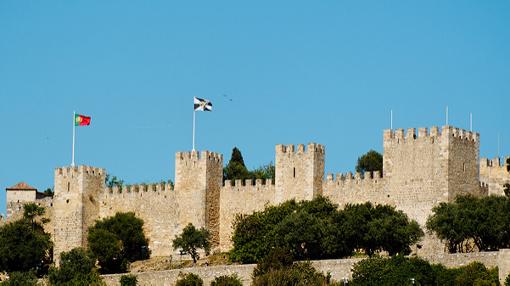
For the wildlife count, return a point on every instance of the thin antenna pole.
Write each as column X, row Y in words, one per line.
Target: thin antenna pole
column 498, row 144
column 74, row 135
column 193, row 130
column 391, row 119
column 471, row 122
column 447, row 115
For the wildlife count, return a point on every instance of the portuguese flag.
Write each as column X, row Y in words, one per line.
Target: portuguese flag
column 81, row 120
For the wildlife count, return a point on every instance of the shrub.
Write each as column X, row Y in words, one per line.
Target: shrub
column 118, row 240
column 507, row 280
column 189, row 279
column 76, row 269
column 128, row 280
column 21, row 279
column 227, row 280
column 299, row 274
column 277, row 258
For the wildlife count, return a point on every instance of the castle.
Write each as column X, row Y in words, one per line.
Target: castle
column 420, row 171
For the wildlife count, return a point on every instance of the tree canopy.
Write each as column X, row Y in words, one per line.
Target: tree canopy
column 24, row 245
column 400, row 270
column 370, row 162
column 118, row 240
column 236, row 169
column 483, row 221
column 192, row 239
column 318, row 230
column 77, row 268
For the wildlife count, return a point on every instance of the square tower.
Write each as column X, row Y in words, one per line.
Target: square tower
column 299, row 173
column 198, row 181
column 76, row 205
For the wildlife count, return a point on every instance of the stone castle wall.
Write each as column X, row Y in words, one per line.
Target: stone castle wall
column 338, row 268
column 238, row 198
column 158, row 207
column 495, row 174
column 421, row 169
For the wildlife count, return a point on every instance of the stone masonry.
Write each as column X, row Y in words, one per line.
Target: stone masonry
column 421, row 169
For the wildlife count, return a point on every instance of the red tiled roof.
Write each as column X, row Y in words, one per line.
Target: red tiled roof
column 21, row 187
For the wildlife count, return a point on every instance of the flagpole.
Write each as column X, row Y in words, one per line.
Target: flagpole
column 447, row 115
column 391, row 119
column 193, row 130
column 471, row 122
column 74, row 135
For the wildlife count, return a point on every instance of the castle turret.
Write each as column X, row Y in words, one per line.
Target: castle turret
column 299, row 173
column 76, row 205
column 198, row 180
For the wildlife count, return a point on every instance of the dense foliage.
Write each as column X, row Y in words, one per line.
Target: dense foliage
column 236, row 169
column 118, row 240
column 227, row 280
column 112, row 181
column 21, row 279
column 76, row 269
column 24, row 245
column 483, row 221
column 189, row 279
column 318, row 230
column 192, row 239
column 370, row 162
column 399, row 270
column 298, row 274
column 128, row 280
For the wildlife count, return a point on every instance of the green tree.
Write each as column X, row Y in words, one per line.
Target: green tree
column 317, row 230
column 484, row 221
column 189, row 279
column 507, row 280
column 24, row 246
column 379, row 228
column 113, row 181
column 76, row 269
column 49, row 192
column 227, row 280
column 235, row 169
column 118, row 240
column 31, row 211
column 128, row 280
column 277, row 258
column 397, row 270
column 370, row 162
column 299, row 274
column 264, row 172
column 21, row 279
column 192, row 239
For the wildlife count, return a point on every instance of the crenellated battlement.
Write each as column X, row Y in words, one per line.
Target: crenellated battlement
column 433, row 135
column 155, row 187
column 349, row 178
column 67, row 171
column 248, row 182
column 290, row 149
column 198, row 156
column 496, row 163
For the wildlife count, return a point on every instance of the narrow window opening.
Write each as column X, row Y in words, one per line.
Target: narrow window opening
column 294, row 173
column 464, row 167
column 67, row 201
column 68, row 186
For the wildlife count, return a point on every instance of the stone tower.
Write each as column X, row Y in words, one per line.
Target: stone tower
column 198, row 181
column 299, row 173
column 429, row 168
column 76, row 205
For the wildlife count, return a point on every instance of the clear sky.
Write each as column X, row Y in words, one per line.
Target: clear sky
column 276, row 72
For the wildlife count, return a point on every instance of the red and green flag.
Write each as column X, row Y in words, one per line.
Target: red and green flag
column 81, row 120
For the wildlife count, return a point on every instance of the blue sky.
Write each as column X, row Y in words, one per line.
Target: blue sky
column 275, row 71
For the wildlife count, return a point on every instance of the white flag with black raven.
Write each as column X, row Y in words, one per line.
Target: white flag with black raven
column 200, row 104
